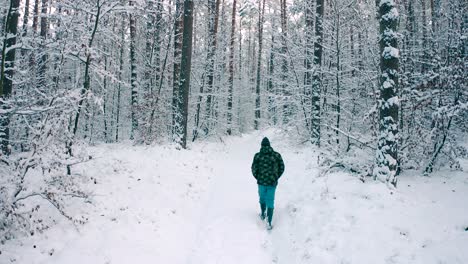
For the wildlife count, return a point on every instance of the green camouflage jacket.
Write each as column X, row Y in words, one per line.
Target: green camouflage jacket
column 267, row 166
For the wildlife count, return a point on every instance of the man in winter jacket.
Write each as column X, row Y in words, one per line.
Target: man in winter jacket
column 267, row 168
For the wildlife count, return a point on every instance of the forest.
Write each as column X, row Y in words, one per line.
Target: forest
column 385, row 79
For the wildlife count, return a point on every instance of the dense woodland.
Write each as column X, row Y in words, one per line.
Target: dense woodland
column 385, row 77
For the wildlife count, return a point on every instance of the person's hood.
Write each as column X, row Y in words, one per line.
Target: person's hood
column 266, row 149
column 265, row 142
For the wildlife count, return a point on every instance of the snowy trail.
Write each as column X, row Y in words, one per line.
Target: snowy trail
column 161, row 205
column 200, row 206
column 228, row 230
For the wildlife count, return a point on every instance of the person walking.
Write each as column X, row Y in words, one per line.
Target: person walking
column 267, row 168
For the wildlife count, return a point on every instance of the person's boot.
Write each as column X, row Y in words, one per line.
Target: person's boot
column 263, row 208
column 270, row 217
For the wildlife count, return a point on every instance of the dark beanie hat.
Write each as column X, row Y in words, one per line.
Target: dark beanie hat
column 265, row 142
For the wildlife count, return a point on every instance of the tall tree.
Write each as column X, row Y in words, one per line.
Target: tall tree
column 7, row 70
column 120, row 76
column 150, row 36
column 271, row 76
column 42, row 63
column 317, row 78
column 186, row 66
column 309, row 45
column 425, row 40
column 35, row 16
column 231, row 69
column 285, row 59
column 25, row 18
column 87, row 78
column 133, row 71
column 388, row 102
column 178, row 28
column 261, row 15
column 213, row 9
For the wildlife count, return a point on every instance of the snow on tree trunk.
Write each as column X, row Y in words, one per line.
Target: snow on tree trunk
column 7, row 71
column 42, row 63
column 231, row 69
column 185, row 67
column 284, row 66
column 317, row 79
column 213, row 34
column 261, row 15
column 178, row 28
column 133, row 73
column 388, row 103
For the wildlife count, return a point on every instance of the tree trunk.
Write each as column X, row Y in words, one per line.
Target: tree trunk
column 337, row 74
column 388, row 102
column 213, row 7
column 231, row 69
column 270, row 87
column 133, row 73
column 42, row 64
column 284, row 67
column 36, row 16
column 309, row 16
column 186, row 66
column 261, row 15
column 156, row 70
column 119, row 87
column 106, row 102
column 317, row 78
column 178, row 28
column 7, row 70
column 149, row 48
column 87, row 79
column 25, row 18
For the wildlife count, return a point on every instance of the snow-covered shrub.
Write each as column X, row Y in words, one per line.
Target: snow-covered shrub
column 34, row 177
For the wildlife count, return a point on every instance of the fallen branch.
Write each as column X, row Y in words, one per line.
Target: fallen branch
column 350, row 136
column 45, row 197
column 343, row 166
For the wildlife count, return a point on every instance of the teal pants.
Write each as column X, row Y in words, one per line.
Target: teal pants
column 267, row 195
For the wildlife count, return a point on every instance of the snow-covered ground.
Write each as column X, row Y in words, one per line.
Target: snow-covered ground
column 162, row 205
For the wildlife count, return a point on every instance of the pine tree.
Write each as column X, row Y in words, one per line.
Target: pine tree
column 388, row 102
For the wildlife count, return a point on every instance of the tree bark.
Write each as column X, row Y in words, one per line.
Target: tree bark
column 87, row 80
column 309, row 16
column 425, row 47
column 42, row 63
column 36, row 16
column 178, row 28
column 284, row 67
column 231, row 69
column 25, row 18
column 213, row 7
column 388, row 102
column 261, row 15
column 317, row 78
column 337, row 74
column 133, row 73
column 7, row 70
column 186, row 66
column 119, row 87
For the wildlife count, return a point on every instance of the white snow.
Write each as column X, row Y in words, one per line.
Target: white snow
column 390, row 52
column 388, row 84
column 163, row 205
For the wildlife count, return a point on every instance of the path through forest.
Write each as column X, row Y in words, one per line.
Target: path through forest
column 163, row 205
